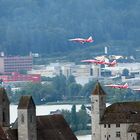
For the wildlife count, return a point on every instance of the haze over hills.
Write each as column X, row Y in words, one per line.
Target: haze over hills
column 44, row 26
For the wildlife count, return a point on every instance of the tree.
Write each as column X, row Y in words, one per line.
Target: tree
column 70, row 80
column 77, row 120
column 83, row 119
column 73, row 118
column 59, row 84
column 67, row 115
column 33, row 27
column 87, row 89
column 74, row 90
column 83, row 107
column 125, row 72
column 33, row 89
column 48, row 93
column 44, row 78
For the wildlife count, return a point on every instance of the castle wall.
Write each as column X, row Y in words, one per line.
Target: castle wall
column 132, row 136
column 97, row 110
column 113, row 132
column 26, row 124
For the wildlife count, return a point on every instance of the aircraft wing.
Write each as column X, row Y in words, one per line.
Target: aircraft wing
column 107, row 63
column 118, row 86
column 113, row 86
column 102, row 62
column 72, row 39
column 88, row 61
column 76, row 39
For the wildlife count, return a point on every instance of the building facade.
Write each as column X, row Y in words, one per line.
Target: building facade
column 4, row 109
column 15, row 64
column 27, row 119
column 28, row 126
column 82, row 73
column 17, row 77
column 119, row 121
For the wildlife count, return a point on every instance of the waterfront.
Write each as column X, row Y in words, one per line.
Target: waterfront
column 41, row 110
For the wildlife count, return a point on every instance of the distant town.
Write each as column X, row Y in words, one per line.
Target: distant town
column 18, row 72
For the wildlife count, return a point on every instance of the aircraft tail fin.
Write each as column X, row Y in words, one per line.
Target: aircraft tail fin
column 102, row 59
column 125, row 85
column 90, row 39
column 113, row 63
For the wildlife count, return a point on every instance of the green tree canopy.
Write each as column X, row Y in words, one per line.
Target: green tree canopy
column 33, row 28
column 70, row 80
column 125, row 72
column 73, row 118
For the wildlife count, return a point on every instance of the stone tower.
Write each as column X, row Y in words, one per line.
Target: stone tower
column 27, row 119
column 98, row 105
column 4, row 109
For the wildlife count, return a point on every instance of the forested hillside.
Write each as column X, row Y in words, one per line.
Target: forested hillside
column 44, row 26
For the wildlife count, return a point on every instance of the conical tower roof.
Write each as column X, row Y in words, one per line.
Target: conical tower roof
column 3, row 96
column 98, row 90
column 26, row 102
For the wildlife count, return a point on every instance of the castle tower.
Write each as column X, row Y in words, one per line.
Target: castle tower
column 98, row 105
column 4, row 109
column 27, row 119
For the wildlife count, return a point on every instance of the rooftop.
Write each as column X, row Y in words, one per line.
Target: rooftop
column 98, row 90
column 122, row 112
column 49, row 127
column 26, row 102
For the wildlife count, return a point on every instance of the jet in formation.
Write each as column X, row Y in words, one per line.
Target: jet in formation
column 82, row 40
column 125, row 86
column 93, row 61
column 101, row 62
column 111, row 64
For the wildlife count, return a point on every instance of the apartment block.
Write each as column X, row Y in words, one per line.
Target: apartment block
column 15, row 64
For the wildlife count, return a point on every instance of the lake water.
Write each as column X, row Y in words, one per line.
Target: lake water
column 86, row 137
column 45, row 110
column 41, row 110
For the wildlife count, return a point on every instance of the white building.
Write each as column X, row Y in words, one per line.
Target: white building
column 119, row 121
column 132, row 67
column 86, row 73
column 49, row 71
column 82, row 73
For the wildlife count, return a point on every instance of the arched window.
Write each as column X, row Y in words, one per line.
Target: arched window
column 22, row 118
column 102, row 101
column 31, row 118
column 4, row 119
column 91, row 72
column 92, row 107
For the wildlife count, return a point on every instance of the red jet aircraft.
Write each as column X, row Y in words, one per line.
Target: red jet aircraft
column 94, row 61
column 125, row 86
column 111, row 64
column 82, row 40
